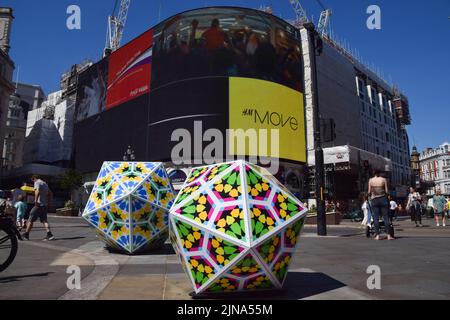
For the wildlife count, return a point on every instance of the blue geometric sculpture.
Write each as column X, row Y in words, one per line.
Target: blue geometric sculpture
column 129, row 205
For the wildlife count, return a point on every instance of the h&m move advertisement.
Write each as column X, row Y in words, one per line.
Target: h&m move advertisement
column 263, row 105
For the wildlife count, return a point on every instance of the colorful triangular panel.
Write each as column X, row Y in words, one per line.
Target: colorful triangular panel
column 259, row 282
column 270, row 249
column 130, row 175
column 262, row 221
column 230, row 221
column 221, row 251
column 200, row 208
column 228, row 188
column 191, row 238
column 258, row 188
column 285, row 206
column 105, row 191
column 201, row 270
column 224, row 284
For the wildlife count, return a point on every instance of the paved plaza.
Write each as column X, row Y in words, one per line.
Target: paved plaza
column 415, row 266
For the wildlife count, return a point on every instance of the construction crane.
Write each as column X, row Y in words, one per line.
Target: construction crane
column 300, row 14
column 324, row 22
column 116, row 25
column 302, row 18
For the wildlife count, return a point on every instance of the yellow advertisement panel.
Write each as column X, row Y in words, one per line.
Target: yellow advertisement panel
column 259, row 108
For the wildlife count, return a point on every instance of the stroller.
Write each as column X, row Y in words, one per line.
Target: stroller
column 370, row 230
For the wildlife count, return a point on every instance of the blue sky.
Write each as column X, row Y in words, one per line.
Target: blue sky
column 412, row 48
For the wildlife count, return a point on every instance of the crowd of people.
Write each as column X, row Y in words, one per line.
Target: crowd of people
column 379, row 205
column 239, row 52
column 27, row 210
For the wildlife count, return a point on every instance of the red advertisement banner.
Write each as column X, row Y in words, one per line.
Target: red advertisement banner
column 130, row 71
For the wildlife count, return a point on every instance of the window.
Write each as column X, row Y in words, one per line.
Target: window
column 360, row 88
column 374, row 103
column 447, row 188
column 15, row 113
column 11, row 146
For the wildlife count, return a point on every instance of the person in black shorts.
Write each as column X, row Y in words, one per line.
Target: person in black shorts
column 42, row 197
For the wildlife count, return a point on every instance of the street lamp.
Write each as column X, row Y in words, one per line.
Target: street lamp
column 129, row 155
column 317, row 46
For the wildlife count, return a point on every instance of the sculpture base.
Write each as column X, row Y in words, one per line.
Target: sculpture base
column 156, row 248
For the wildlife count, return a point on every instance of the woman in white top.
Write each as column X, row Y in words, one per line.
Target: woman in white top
column 367, row 211
column 413, row 206
column 392, row 209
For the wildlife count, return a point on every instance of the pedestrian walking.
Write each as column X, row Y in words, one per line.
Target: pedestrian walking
column 392, row 209
column 378, row 190
column 21, row 208
column 439, row 204
column 15, row 193
column 367, row 211
column 42, row 198
column 414, row 207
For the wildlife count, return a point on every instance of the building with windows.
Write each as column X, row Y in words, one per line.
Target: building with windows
column 48, row 137
column 6, row 74
column 435, row 168
column 370, row 117
column 25, row 98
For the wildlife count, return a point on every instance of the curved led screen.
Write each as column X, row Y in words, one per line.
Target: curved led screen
column 220, row 68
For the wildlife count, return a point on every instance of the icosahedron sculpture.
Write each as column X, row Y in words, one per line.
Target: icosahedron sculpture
column 235, row 228
column 129, row 205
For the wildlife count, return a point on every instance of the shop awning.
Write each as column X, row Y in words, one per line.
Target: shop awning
column 349, row 155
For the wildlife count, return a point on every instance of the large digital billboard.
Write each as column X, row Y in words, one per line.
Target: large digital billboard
column 91, row 90
column 228, row 42
column 225, row 68
column 259, row 104
column 130, row 71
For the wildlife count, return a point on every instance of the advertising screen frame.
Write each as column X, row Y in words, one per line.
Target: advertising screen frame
column 293, row 33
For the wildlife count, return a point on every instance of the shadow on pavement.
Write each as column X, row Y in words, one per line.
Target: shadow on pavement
column 166, row 249
column 298, row 285
column 18, row 278
column 72, row 238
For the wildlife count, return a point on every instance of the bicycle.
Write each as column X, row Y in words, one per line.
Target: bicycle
column 9, row 236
